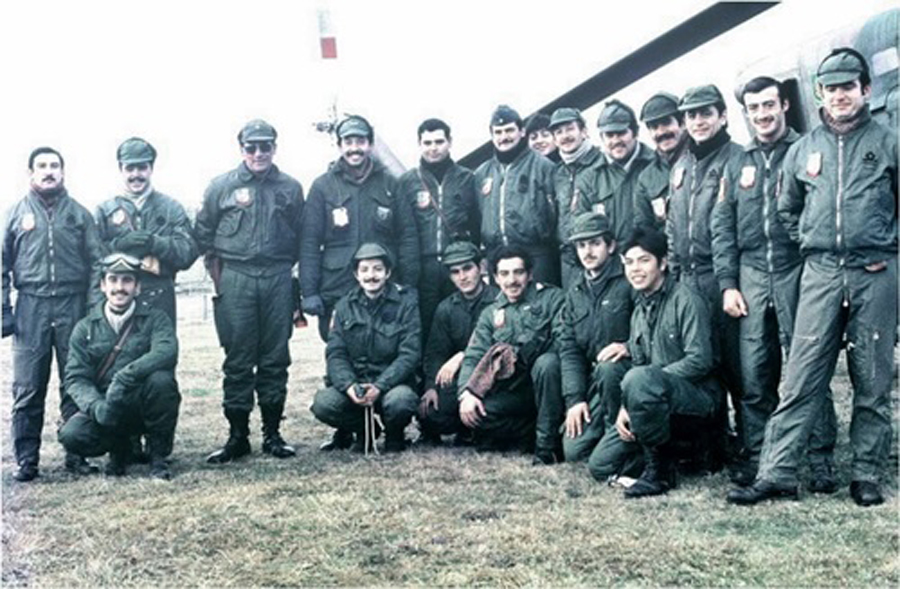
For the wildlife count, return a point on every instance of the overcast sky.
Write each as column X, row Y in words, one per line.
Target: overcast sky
column 186, row 75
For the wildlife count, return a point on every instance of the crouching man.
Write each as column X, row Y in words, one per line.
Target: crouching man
column 670, row 347
column 374, row 347
column 121, row 374
column 510, row 374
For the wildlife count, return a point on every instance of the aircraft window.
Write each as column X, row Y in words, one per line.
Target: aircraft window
column 794, row 115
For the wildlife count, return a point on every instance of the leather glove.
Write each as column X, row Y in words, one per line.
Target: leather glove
column 136, row 243
column 9, row 321
column 313, row 305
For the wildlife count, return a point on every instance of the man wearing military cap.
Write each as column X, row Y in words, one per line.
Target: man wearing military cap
column 249, row 229
column 573, row 181
column 445, row 347
column 121, row 374
column 522, row 404
column 694, row 186
column 838, row 200
column 356, row 201
column 149, row 225
column 517, row 202
column 444, row 202
column 758, row 268
column 626, row 157
column 595, row 314
column 50, row 252
column 374, row 348
column 665, row 123
column 540, row 136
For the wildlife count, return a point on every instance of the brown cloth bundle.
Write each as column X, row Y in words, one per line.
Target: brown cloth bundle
column 498, row 363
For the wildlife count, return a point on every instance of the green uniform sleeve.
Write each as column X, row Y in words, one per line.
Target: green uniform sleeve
column 338, row 364
column 312, row 236
column 178, row 250
column 79, row 371
column 791, row 194
column 573, row 363
column 693, row 319
column 207, row 221
column 163, row 354
column 409, row 352
column 723, row 227
column 408, row 239
column 439, row 347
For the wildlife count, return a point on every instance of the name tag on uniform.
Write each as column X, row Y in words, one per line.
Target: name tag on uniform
column 119, row 217
column 659, row 207
column 499, row 318
column 486, row 186
column 243, row 197
column 748, row 176
column 814, row 164
column 423, row 199
column 28, row 222
column 678, row 177
column 339, row 217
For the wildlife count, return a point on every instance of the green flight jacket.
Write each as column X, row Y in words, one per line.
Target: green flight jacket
column 52, row 252
column 161, row 215
column 376, row 342
column 612, row 191
column 593, row 316
column 651, row 191
column 150, row 346
column 572, row 184
column 694, row 188
column 839, row 193
column 671, row 329
column 453, row 324
column 527, row 325
column 252, row 221
column 517, row 202
column 444, row 212
column 342, row 214
column 745, row 226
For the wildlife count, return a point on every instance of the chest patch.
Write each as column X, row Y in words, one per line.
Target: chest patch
column 340, row 217
column 119, row 217
column 423, row 199
column 383, row 213
column 659, row 207
column 678, row 177
column 599, row 207
column 748, row 176
column 814, row 164
column 486, row 186
column 499, row 318
column 28, row 222
column 243, row 197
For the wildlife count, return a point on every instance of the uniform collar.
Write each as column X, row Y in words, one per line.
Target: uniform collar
column 245, row 175
column 530, row 293
column 788, row 138
column 391, row 293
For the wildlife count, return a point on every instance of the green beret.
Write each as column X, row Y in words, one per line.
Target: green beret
column 135, row 151
column 659, row 106
column 120, row 263
column 459, row 252
column 700, row 96
column 564, row 115
column 257, row 130
column 589, row 225
column 839, row 68
column 616, row 117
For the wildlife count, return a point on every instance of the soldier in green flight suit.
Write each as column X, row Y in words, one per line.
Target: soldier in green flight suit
column 515, row 332
column 445, row 347
column 249, row 228
column 374, row 348
column 121, row 374
column 596, row 313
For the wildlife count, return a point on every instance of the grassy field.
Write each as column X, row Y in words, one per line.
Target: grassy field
column 427, row 517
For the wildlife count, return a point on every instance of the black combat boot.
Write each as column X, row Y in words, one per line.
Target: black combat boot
column 137, row 454
column 341, row 440
column 658, row 476
column 273, row 443
column 26, row 472
column 238, row 443
column 77, row 464
column 119, row 454
column 394, row 441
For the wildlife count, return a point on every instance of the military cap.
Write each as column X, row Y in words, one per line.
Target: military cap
column 459, row 252
column 257, row 130
column 616, row 117
column 659, row 106
column 504, row 115
column 564, row 115
column 354, row 126
column 588, row 225
column 135, row 151
column 700, row 96
column 840, row 67
column 120, row 263
column 370, row 250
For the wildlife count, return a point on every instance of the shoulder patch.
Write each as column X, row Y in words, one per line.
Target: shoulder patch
column 814, row 164
column 119, row 216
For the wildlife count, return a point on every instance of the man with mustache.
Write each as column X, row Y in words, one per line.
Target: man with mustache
column 356, row 201
column 148, row 225
column 838, row 200
column 121, row 374
column 540, row 136
column 614, row 180
column 665, row 123
column 445, row 205
column 758, row 268
column 595, row 315
column 572, row 181
column 50, row 255
column 515, row 330
column 517, row 203
column 374, row 348
column 693, row 189
column 445, row 347
column 249, row 229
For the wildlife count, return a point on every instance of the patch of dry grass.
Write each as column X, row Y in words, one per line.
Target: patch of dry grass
column 427, row 517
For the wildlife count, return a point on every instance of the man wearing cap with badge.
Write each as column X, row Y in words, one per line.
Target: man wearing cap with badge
column 665, row 123
column 121, row 374
column 596, row 314
column 758, row 268
column 356, row 201
column 693, row 189
column 445, row 347
column 50, row 255
column 838, row 200
column 626, row 157
column 445, row 206
column 509, row 381
column 249, row 229
column 540, row 136
column 572, row 181
column 374, row 348
column 148, row 225
column 516, row 197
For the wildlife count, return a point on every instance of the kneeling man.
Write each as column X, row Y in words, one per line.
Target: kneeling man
column 121, row 373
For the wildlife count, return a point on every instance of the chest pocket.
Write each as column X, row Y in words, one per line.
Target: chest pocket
column 234, row 211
